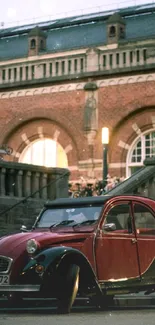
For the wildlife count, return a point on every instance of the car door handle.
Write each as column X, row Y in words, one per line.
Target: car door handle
column 134, row 240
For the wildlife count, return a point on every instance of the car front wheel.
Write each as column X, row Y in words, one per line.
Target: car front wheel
column 70, row 289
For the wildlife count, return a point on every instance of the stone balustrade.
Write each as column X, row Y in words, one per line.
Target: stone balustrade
column 23, row 180
column 141, row 183
column 24, row 189
column 92, row 60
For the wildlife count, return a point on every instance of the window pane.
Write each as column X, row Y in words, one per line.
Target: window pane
column 121, row 217
column 136, row 155
column 150, row 144
column 144, row 220
column 45, row 152
column 135, row 169
column 37, row 153
column 50, row 153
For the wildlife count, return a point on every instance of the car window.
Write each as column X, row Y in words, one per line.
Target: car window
column 83, row 214
column 120, row 216
column 144, row 220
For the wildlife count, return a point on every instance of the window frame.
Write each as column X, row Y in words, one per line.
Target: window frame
column 129, row 163
column 117, row 233
column 133, row 214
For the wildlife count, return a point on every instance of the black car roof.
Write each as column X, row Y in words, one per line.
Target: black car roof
column 77, row 201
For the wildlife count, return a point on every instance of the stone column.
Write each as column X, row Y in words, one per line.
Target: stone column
column 66, row 67
column 78, row 65
column 29, row 72
column 60, row 184
column 35, row 184
column 2, row 182
column 92, row 59
column 47, row 70
column 54, row 68
column 39, row 71
column 19, row 183
column 43, row 186
column 24, row 72
column 134, row 63
column 27, row 183
column 51, row 188
column 128, row 64
column 11, row 182
column 18, row 73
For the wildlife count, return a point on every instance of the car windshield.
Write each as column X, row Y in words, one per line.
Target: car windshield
column 68, row 216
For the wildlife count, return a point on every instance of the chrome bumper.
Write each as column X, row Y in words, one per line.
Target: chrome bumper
column 20, row 288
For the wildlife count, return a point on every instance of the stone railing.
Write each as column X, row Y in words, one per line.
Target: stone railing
column 45, row 69
column 141, row 183
column 23, row 191
column 123, row 59
column 92, row 60
column 22, row 180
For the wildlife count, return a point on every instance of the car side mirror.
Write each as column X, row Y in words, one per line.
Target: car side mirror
column 23, row 228
column 109, row 227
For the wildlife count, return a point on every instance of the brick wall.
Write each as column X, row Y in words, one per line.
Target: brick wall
column 119, row 107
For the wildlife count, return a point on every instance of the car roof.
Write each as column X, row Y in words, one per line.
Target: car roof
column 93, row 200
column 77, row 201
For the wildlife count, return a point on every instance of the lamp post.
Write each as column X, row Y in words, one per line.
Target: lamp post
column 105, row 142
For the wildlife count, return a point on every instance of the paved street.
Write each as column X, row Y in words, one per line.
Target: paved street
column 128, row 310
column 77, row 317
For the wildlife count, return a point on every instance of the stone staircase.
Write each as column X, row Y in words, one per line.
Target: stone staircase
column 141, row 182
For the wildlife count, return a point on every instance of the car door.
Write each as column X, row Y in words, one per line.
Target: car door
column 116, row 250
column 144, row 218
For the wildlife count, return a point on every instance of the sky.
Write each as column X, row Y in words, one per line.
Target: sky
column 18, row 12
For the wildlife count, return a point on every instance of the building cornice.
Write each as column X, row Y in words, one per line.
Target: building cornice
column 78, row 86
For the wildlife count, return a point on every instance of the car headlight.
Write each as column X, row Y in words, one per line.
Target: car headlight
column 31, row 246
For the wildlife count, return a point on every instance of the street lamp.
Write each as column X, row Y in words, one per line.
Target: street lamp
column 105, row 142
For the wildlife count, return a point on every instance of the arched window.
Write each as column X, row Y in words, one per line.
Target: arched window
column 112, row 31
column 42, row 44
column 122, row 32
column 33, row 43
column 142, row 148
column 44, row 152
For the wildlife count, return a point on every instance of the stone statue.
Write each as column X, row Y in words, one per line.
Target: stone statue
column 90, row 113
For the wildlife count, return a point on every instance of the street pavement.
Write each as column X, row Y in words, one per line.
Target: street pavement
column 128, row 310
column 80, row 317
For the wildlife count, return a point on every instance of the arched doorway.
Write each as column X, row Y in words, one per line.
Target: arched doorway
column 143, row 147
column 44, row 152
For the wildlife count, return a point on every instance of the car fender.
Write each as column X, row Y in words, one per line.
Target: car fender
column 54, row 258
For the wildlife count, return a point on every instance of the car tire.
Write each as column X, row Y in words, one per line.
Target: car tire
column 67, row 297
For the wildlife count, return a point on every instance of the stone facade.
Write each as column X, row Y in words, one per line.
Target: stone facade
column 45, row 95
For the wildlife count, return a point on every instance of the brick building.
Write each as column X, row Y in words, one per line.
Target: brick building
column 62, row 81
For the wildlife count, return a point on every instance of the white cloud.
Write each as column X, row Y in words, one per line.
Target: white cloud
column 11, row 12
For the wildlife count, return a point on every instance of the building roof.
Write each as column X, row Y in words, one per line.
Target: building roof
column 78, row 32
column 36, row 31
column 116, row 18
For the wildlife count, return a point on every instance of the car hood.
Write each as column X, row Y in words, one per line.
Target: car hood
column 14, row 245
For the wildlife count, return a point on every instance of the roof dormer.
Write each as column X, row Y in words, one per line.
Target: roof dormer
column 115, row 28
column 37, row 41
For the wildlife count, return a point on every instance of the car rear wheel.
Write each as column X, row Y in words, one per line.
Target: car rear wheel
column 70, row 289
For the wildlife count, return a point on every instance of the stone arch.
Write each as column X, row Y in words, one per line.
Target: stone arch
column 124, row 134
column 20, row 137
column 32, row 114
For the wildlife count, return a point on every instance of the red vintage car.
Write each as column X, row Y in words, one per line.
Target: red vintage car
column 90, row 247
